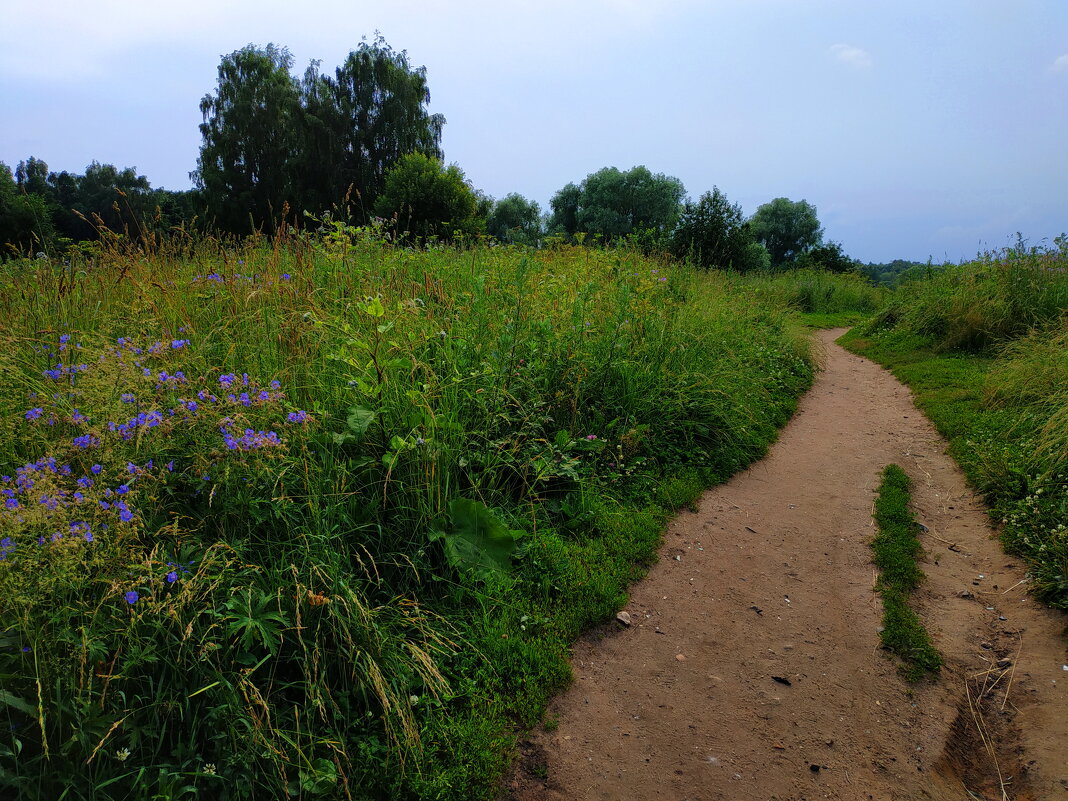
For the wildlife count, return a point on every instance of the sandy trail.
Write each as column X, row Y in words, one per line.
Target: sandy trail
column 772, row 577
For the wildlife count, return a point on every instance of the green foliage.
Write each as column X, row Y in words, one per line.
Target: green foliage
column 819, row 292
column 25, row 219
column 1003, row 409
column 611, row 204
column 977, row 305
column 896, row 549
column 476, row 539
column 514, row 220
column 424, row 199
column 787, row 229
column 358, row 124
column 317, row 638
column 271, row 141
column 890, row 273
column 250, row 132
column 713, row 233
column 828, row 256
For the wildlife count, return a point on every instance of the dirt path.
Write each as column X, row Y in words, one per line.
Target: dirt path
column 772, row 577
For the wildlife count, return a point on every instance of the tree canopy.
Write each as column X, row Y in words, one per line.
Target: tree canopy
column 271, row 140
column 515, row 220
column 423, row 198
column 786, row 228
column 713, row 233
column 613, row 204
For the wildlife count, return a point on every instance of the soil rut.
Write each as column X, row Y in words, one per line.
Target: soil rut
column 752, row 668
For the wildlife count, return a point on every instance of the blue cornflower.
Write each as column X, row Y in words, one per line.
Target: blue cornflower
column 122, row 489
column 172, row 577
column 177, row 344
column 126, row 515
column 96, row 469
column 85, row 441
column 128, row 397
column 33, row 414
column 286, row 276
column 297, row 417
column 131, row 597
column 85, row 482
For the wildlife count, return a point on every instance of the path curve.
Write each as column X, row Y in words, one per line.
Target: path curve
column 772, row 577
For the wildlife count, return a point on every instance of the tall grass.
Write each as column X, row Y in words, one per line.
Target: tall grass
column 974, row 306
column 817, row 291
column 317, row 517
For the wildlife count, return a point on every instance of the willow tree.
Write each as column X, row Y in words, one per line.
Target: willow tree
column 368, row 115
column 251, row 131
column 317, row 144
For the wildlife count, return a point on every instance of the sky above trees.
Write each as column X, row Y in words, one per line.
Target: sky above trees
column 917, row 129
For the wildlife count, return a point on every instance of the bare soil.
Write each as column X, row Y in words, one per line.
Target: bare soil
column 752, row 667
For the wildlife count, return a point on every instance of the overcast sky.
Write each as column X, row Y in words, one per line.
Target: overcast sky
column 917, row 129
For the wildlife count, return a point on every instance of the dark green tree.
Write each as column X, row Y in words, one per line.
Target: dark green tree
column 25, row 218
column 360, row 122
column 829, row 257
column 515, row 220
column 787, row 229
column 613, row 204
column 713, row 233
column 252, row 129
column 422, row 198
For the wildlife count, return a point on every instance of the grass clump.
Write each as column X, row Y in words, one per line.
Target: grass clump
column 319, row 517
column 995, row 386
column 896, row 549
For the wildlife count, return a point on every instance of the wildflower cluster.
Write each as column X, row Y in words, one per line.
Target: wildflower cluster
column 106, row 415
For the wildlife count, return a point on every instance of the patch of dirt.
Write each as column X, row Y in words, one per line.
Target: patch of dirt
column 752, row 669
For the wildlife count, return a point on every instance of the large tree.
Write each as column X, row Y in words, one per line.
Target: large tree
column 251, row 130
column 25, row 218
column 370, row 114
column 786, row 228
column 713, row 233
column 423, row 198
column 614, row 204
column 318, row 144
column 515, row 220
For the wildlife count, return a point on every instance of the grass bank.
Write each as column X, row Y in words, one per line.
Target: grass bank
column 896, row 549
column 984, row 346
column 317, row 517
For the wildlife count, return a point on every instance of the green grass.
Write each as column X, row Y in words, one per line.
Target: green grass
column 368, row 584
column 996, row 389
column 896, row 549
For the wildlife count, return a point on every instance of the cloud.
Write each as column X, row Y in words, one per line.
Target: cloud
column 853, row 56
column 1060, row 64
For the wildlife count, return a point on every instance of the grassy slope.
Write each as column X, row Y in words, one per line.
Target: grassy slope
column 298, row 626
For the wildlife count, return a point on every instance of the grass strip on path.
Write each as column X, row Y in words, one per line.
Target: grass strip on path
column 896, row 549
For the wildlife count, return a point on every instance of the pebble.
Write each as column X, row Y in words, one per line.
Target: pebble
column 623, row 617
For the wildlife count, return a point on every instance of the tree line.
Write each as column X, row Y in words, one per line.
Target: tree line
column 359, row 145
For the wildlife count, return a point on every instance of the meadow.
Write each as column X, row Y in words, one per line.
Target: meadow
column 316, row 516
column 984, row 345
